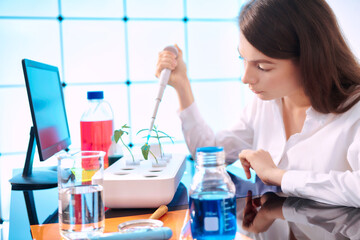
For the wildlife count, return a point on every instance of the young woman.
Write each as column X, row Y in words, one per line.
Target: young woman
column 302, row 130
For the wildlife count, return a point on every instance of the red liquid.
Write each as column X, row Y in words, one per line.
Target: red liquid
column 96, row 136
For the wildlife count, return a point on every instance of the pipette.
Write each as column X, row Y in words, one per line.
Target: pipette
column 163, row 81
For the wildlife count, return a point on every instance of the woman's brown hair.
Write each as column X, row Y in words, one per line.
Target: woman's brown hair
column 306, row 31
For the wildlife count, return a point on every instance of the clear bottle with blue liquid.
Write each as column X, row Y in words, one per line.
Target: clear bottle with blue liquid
column 212, row 197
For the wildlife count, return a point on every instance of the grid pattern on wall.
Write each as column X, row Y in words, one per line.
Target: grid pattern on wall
column 112, row 45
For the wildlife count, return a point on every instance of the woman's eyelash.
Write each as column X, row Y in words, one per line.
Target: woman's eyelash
column 261, row 69
column 257, row 66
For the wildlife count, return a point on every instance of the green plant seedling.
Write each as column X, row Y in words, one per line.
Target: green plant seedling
column 145, row 149
column 118, row 135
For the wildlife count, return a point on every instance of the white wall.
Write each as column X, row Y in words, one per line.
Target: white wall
column 348, row 15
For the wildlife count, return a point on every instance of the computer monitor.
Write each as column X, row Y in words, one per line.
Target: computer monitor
column 50, row 131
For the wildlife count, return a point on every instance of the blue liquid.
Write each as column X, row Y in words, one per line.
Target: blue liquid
column 213, row 216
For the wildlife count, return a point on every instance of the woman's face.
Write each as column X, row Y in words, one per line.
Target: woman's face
column 268, row 78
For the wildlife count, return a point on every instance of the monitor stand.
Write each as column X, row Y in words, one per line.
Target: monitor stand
column 33, row 180
column 31, row 210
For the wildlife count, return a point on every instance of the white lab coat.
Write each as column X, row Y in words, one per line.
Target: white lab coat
column 323, row 160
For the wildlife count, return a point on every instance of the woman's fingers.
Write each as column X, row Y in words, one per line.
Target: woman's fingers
column 162, row 53
column 179, row 50
column 245, row 163
column 166, row 60
column 162, row 65
column 166, row 55
column 246, row 167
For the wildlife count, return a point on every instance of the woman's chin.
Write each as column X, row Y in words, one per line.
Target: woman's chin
column 264, row 96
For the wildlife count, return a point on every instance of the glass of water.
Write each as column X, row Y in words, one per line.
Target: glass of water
column 81, row 202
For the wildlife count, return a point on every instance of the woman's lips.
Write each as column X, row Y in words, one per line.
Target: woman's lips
column 256, row 92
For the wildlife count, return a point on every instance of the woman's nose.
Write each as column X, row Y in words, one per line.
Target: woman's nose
column 248, row 75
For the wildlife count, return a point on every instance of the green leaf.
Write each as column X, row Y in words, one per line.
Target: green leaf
column 118, row 134
column 145, row 151
column 171, row 138
column 156, row 130
column 165, row 134
column 125, row 126
column 146, row 129
column 164, row 137
column 142, row 131
column 150, row 137
column 159, row 137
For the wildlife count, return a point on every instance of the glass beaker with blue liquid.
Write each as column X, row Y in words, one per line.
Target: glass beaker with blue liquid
column 212, row 200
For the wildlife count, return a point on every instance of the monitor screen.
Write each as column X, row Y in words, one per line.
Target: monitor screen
column 47, row 108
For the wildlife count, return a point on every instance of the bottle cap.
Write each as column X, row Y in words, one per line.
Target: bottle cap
column 210, row 156
column 95, row 95
column 209, row 149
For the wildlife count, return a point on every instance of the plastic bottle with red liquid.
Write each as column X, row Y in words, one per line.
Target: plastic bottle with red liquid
column 96, row 126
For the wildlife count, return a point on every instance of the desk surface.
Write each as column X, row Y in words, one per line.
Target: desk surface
column 260, row 214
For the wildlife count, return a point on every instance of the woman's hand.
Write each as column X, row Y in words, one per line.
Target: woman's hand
column 177, row 66
column 178, row 78
column 263, row 165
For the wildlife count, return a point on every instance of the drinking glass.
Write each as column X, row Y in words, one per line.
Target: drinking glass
column 81, row 202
